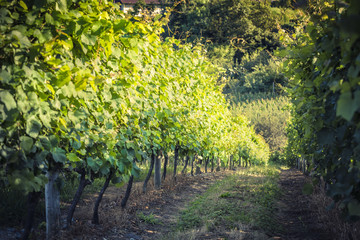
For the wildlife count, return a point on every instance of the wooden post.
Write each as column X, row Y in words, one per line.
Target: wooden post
column 52, row 204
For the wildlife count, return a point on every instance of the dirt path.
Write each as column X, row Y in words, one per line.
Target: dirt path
column 163, row 206
column 296, row 213
column 167, row 209
column 154, row 215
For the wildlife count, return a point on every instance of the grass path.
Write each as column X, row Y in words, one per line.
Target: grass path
column 147, row 216
column 255, row 203
column 241, row 206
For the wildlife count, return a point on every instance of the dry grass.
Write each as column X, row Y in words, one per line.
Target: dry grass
column 331, row 219
column 114, row 219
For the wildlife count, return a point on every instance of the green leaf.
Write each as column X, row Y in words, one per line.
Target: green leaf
column 73, row 157
column 54, row 141
column 138, row 155
column 8, row 110
column 347, row 106
column 5, row 76
column 88, row 39
column 42, row 36
column 59, row 155
column 41, row 157
column 116, row 180
column 49, row 19
column 76, row 144
column 22, row 39
column 45, row 143
column 23, row 5
column 2, row 135
column 33, row 127
column 94, row 164
column 61, row 5
column 104, row 170
column 121, row 166
column 135, row 171
column 307, row 189
column 26, row 143
column 8, row 100
column 63, row 76
column 30, row 18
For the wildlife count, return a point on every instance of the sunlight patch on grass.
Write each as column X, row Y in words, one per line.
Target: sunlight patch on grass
column 245, row 198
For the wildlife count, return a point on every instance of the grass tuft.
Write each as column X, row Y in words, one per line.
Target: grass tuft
column 149, row 219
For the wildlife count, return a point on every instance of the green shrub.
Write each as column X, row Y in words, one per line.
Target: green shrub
column 269, row 117
column 258, row 73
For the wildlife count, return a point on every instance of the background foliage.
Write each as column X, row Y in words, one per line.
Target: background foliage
column 269, row 116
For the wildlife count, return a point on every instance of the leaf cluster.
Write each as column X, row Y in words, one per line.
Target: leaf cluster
column 85, row 88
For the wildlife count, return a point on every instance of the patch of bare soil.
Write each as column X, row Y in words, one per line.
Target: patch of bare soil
column 147, row 216
column 297, row 213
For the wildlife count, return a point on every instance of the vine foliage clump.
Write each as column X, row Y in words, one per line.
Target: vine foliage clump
column 324, row 69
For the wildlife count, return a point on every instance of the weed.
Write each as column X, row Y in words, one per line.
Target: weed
column 149, row 219
column 225, row 195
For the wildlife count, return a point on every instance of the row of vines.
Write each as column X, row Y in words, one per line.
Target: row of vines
column 86, row 90
column 324, row 134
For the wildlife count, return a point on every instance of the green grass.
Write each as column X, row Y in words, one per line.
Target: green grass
column 149, row 218
column 246, row 197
